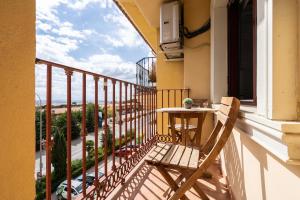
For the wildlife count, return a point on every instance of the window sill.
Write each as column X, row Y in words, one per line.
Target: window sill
column 281, row 138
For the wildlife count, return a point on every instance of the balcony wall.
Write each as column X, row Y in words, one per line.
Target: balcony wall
column 261, row 159
column 197, row 55
column 254, row 172
column 17, row 99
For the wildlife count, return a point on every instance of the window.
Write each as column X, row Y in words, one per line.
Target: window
column 242, row 50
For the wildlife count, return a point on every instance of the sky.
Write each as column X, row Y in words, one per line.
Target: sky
column 93, row 35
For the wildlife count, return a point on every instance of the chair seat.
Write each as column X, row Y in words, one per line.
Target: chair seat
column 174, row 155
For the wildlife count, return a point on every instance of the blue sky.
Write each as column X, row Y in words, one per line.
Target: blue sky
column 90, row 34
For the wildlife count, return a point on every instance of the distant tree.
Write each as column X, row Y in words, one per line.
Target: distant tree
column 61, row 123
column 90, row 117
column 37, row 128
column 90, row 148
column 109, row 138
column 77, row 115
column 59, row 154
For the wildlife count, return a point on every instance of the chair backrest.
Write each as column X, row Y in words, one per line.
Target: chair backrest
column 226, row 118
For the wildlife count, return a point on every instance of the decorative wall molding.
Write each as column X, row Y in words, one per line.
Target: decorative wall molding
column 280, row 138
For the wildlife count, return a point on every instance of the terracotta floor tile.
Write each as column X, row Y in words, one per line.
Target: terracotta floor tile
column 145, row 182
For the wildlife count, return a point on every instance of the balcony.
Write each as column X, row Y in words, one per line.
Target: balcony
column 120, row 145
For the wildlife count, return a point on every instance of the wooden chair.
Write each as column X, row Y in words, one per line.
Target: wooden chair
column 193, row 161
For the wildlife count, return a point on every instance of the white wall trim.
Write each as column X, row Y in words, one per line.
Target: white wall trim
column 280, row 138
column 270, row 59
column 219, row 84
column 219, row 72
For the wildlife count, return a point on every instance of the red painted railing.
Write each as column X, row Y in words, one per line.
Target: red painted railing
column 133, row 116
column 168, row 98
column 136, row 107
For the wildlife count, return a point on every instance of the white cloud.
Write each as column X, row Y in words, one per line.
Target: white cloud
column 43, row 26
column 46, row 10
column 125, row 35
column 82, row 4
column 66, row 29
column 60, row 38
column 105, row 64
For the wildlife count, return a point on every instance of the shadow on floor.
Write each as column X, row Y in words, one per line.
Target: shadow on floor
column 147, row 183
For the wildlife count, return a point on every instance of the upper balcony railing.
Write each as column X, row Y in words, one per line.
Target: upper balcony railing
column 129, row 129
column 146, row 71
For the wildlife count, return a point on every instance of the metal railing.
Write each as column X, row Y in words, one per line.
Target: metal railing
column 133, row 114
column 146, row 72
column 168, row 98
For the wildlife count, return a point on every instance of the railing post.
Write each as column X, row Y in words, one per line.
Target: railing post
column 120, row 121
column 175, row 97
column 145, row 115
column 48, row 132
column 96, row 110
column 69, row 133
column 126, row 112
column 83, row 134
column 162, row 114
column 139, row 115
column 105, row 126
column 181, row 96
column 130, row 93
column 142, row 116
column 135, row 117
column 114, row 124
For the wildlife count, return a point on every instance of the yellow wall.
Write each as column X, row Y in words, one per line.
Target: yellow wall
column 298, row 68
column 17, row 55
column 255, row 174
column 169, row 76
column 197, row 49
column 285, row 59
column 197, row 55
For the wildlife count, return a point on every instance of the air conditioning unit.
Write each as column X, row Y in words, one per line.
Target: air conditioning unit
column 170, row 26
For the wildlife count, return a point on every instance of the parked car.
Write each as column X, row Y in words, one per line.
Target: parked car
column 76, row 189
column 90, row 177
column 123, row 152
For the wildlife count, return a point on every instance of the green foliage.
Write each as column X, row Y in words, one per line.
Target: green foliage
column 90, row 148
column 187, row 101
column 61, row 123
column 37, row 128
column 90, row 117
column 59, row 154
column 77, row 115
column 76, row 165
column 109, row 138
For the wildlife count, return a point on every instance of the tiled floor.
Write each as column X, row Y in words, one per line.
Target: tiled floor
column 145, row 182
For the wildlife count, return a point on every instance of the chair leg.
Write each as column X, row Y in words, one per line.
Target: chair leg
column 170, row 180
column 188, row 184
column 187, row 174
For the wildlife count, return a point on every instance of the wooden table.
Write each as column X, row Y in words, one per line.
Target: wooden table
column 181, row 133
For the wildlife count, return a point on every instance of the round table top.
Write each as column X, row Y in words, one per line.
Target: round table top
column 184, row 110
